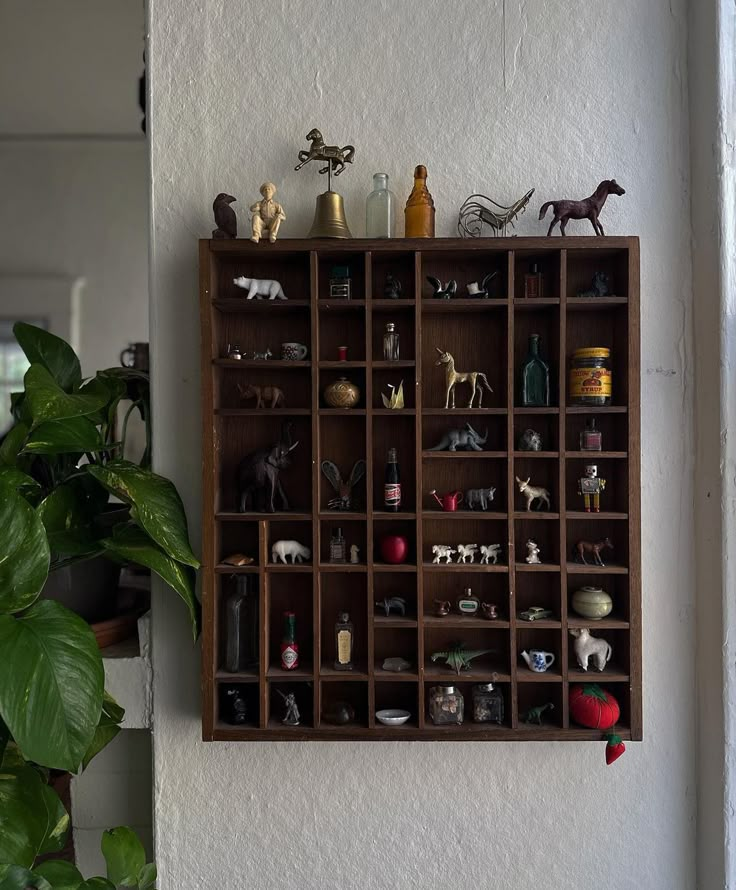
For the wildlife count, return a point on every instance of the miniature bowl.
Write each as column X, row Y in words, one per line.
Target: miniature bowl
column 393, row 716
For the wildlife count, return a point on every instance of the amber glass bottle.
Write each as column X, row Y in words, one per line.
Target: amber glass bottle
column 419, row 210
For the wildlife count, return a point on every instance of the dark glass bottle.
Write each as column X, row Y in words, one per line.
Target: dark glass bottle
column 289, row 645
column 534, row 377
column 241, row 626
column 392, row 486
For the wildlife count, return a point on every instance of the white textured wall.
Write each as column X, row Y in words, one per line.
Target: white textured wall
column 555, row 95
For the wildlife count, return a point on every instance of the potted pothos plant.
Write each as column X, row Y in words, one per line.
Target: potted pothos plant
column 59, row 465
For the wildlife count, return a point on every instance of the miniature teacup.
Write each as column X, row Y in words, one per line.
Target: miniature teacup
column 293, row 352
column 539, row 661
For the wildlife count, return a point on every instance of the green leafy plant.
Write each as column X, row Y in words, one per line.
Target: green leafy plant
column 59, row 465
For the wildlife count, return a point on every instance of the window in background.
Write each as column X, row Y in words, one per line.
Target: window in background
column 13, row 366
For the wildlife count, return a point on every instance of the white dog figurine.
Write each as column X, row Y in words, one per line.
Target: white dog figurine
column 587, row 648
column 260, row 287
column 489, row 552
column 465, row 551
column 442, row 551
column 298, row 552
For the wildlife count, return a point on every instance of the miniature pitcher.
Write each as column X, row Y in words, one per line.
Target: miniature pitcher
column 538, row 660
column 448, row 502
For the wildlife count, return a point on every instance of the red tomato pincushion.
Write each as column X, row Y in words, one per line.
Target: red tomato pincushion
column 594, row 707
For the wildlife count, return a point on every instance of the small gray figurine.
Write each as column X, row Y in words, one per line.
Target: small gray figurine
column 291, row 716
column 392, row 287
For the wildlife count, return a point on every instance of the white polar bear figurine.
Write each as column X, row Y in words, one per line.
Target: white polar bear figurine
column 260, row 287
column 281, row 549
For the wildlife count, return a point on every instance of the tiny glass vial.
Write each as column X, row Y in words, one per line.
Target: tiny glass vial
column 380, row 209
column 391, row 343
column 338, row 549
column 340, row 283
column 533, row 283
column 591, row 438
column 487, row 704
column 446, row 705
column 343, row 643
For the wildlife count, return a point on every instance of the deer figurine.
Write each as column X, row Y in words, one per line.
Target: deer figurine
column 533, row 493
column 453, row 377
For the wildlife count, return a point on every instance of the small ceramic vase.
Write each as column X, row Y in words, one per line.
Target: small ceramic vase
column 592, row 603
column 342, row 394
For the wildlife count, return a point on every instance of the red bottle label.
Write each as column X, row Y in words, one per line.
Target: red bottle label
column 392, row 494
column 289, row 656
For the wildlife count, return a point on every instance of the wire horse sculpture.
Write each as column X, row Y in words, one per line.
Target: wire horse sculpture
column 477, row 212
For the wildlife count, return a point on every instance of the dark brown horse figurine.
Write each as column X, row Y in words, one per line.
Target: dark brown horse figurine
column 594, row 547
column 589, row 208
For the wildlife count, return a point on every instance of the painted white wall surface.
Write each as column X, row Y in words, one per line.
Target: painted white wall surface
column 68, row 67
column 493, row 97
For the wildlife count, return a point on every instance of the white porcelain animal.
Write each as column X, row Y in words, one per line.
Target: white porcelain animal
column 465, row 551
column 533, row 493
column 442, row 551
column 532, row 554
column 281, row 549
column 489, row 552
column 260, row 287
column 590, row 648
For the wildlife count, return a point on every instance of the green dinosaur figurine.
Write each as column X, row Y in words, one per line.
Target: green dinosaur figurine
column 458, row 657
column 534, row 715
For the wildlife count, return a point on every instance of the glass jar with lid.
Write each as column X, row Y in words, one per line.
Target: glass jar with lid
column 446, row 705
column 487, row 704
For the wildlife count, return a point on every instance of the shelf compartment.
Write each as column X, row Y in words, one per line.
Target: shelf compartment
column 545, row 322
column 465, row 266
column 340, row 689
column 462, row 305
column 545, row 534
column 529, row 695
column 393, row 642
column 466, row 530
column 398, row 433
column 614, row 499
column 302, row 692
column 548, row 263
column 342, row 441
column 616, row 585
column 582, row 265
column 385, row 586
column 537, row 590
column 249, row 694
column 354, row 533
column 296, row 390
column 436, row 426
column 343, row 592
column 289, row 593
column 489, row 587
column 356, row 262
column 463, row 475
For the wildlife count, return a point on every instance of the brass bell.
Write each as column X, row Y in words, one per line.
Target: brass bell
column 329, row 217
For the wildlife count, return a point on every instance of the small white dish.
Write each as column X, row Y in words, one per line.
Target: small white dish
column 393, row 716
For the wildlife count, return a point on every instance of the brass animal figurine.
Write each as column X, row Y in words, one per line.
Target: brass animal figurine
column 335, row 156
column 593, row 547
column 262, row 394
column 533, row 493
column 453, row 377
column 479, row 210
column 588, row 208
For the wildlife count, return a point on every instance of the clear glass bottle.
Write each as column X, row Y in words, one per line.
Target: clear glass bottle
column 446, row 705
column 419, row 210
column 391, row 343
column 343, row 643
column 380, row 209
column 487, row 704
column 241, row 620
column 338, row 548
column 534, row 377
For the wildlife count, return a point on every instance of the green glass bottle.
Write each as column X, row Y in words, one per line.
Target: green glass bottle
column 534, row 377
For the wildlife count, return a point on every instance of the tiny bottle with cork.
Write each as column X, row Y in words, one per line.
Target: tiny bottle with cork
column 344, row 642
column 392, row 485
column 591, row 438
column 289, row 645
column 419, row 211
column 533, row 283
column 338, row 547
column 391, row 343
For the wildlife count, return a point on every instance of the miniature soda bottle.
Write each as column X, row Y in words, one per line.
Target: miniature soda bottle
column 419, row 210
column 289, row 645
column 392, row 486
column 380, row 209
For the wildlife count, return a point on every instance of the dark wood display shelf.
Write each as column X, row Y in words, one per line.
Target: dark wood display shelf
column 490, row 335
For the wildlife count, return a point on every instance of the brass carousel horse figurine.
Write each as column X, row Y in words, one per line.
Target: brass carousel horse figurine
column 335, row 156
column 588, row 208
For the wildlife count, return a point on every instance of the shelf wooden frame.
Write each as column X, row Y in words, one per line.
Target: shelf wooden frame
column 231, row 428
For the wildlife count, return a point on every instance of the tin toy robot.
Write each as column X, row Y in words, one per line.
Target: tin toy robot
column 590, row 487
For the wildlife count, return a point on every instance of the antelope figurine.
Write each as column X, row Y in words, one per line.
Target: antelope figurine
column 453, row 377
column 533, row 493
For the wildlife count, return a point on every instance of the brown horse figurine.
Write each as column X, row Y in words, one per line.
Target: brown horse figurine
column 594, row 547
column 589, row 208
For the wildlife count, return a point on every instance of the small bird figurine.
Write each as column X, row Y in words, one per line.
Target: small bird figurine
column 443, row 292
column 225, row 219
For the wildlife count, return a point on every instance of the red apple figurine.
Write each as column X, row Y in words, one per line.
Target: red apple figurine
column 394, row 549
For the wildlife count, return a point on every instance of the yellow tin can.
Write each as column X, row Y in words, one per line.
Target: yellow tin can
column 590, row 376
